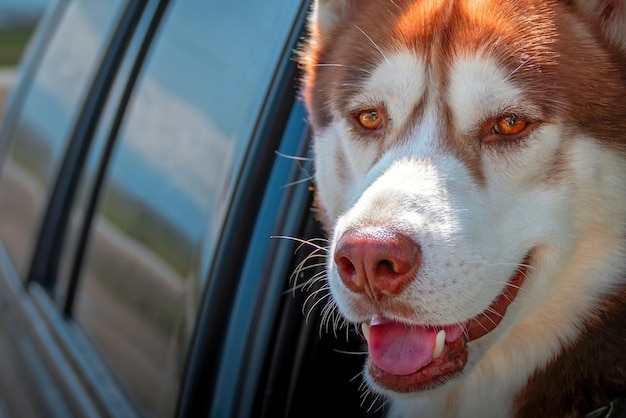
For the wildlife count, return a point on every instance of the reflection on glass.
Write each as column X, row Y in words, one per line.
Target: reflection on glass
column 169, row 184
column 51, row 106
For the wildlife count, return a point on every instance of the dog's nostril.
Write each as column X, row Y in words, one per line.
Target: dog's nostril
column 385, row 266
column 376, row 261
column 397, row 266
column 345, row 266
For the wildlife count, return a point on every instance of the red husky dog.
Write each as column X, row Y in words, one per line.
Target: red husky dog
column 471, row 172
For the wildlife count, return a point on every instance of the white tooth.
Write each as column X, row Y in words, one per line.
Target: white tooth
column 439, row 343
column 366, row 331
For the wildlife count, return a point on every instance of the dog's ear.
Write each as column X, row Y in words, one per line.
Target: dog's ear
column 326, row 14
column 610, row 14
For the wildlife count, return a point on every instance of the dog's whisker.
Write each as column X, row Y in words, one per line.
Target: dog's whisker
column 516, row 286
column 372, row 403
column 494, row 312
column 519, row 67
column 312, row 296
column 313, row 254
column 328, row 317
column 295, row 183
column 317, row 248
column 358, row 353
column 300, row 240
column 305, row 265
column 319, row 275
column 356, row 376
column 318, row 291
column 343, row 65
column 316, row 255
column 306, row 285
column 327, row 325
column 330, row 322
column 479, row 323
column 339, row 323
column 317, row 302
column 366, row 393
column 372, row 41
column 342, row 84
column 325, row 315
column 489, row 263
column 394, row 3
column 292, row 157
column 487, row 317
column 315, row 280
column 465, row 332
column 376, row 402
column 507, row 284
column 301, row 167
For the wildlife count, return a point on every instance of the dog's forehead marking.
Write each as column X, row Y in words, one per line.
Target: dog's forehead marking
column 398, row 83
column 479, row 89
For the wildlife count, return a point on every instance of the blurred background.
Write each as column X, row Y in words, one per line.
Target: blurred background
column 18, row 19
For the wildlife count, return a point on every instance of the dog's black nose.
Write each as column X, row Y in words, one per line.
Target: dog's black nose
column 376, row 261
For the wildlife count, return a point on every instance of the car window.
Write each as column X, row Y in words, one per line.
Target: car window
column 168, row 186
column 46, row 120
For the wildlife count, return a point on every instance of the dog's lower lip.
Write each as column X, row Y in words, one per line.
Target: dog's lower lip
column 453, row 358
column 491, row 317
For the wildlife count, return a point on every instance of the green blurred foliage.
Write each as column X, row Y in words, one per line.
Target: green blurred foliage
column 12, row 45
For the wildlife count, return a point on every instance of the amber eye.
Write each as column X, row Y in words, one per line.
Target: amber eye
column 369, row 119
column 509, row 125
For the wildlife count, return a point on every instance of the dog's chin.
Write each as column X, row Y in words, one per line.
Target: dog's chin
column 448, row 345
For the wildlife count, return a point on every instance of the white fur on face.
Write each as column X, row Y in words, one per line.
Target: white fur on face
column 401, row 93
column 473, row 234
column 480, row 89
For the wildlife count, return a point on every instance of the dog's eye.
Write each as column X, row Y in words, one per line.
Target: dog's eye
column 509, row 125
column 369, row 119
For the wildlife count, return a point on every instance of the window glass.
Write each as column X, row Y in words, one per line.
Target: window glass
column 169, row 183
column 50, row 108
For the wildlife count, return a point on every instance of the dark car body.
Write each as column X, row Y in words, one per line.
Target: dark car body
column 153, row 172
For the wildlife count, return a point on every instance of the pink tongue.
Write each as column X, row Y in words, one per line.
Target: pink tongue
column 399, row 349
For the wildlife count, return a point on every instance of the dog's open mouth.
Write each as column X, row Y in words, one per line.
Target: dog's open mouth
column 410, row 358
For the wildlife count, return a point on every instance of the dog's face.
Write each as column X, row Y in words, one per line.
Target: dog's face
column 470, row 171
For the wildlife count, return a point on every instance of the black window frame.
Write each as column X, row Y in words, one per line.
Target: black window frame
column 203, row 362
